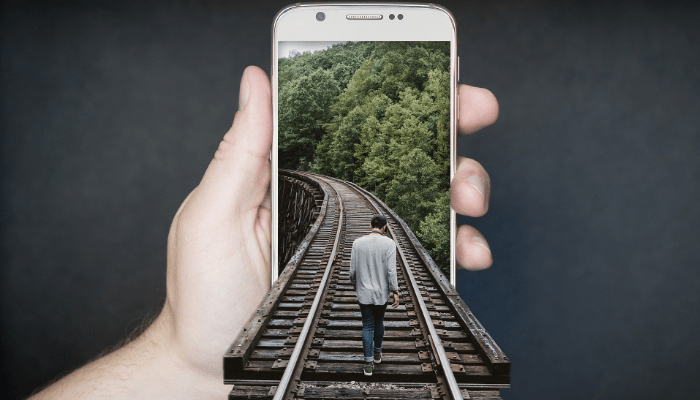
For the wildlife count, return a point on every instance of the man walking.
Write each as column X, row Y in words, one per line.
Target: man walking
column 373, row 272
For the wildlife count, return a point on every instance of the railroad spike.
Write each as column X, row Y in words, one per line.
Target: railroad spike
column 457, row 368
column 308, row 364
column 285, row 352
column 280, row 363
column 295, row 329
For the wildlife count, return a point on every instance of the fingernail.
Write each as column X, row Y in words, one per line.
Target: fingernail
column 481, row 242
column 478, row 183
column 244, row 92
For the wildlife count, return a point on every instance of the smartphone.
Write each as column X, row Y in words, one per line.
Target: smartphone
column 366, row 94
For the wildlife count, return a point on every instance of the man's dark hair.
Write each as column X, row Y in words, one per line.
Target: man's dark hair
column 378, row 221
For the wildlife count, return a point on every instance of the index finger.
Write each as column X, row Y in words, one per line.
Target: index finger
column 478, row 108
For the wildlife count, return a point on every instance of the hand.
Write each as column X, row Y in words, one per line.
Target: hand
column 219, row 242
column 396, row 301
column 471, row 186
column 218, row 272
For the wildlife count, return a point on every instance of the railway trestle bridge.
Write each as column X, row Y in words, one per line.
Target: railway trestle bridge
column 305, row 339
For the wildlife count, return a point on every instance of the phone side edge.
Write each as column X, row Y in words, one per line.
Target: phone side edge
column 274, row 272
column 454, row 119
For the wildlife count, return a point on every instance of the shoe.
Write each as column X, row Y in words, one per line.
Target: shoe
column 377, row 358
column 368, row 369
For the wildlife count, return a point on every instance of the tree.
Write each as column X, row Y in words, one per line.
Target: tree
column 414, row 188
column 434, row 230
column 304, row 109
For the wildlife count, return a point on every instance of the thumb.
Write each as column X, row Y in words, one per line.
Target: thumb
column 238, row 177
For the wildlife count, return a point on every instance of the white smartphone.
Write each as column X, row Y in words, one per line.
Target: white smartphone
column 367, row 94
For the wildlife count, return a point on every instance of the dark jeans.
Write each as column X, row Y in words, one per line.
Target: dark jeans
column 372, row 329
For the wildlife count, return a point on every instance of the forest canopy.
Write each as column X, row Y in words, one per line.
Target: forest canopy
column 376, row 114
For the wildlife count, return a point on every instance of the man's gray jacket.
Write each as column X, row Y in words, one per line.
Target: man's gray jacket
column 373, row 269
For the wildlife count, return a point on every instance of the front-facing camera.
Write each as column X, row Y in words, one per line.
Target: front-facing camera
column 320, row 16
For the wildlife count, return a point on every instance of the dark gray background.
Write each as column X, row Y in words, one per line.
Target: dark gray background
column 111, row 113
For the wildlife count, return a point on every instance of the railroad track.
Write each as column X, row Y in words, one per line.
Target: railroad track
column 305, row 339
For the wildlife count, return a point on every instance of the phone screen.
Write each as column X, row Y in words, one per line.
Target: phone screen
column 376, row 114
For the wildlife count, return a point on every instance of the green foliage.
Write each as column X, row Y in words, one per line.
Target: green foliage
column 434, row 230
column 414, row 187
column 307, row 103
column 376, row 114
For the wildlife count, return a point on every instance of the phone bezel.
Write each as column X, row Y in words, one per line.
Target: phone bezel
column 297, row 22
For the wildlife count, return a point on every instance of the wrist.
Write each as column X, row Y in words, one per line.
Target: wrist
column 150, row 366
column 189, row 372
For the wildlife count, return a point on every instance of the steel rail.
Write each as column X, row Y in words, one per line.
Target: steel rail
column 294, row 358
column 446, row 366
